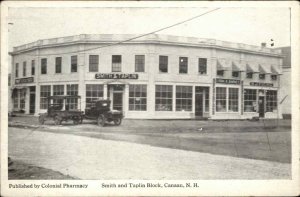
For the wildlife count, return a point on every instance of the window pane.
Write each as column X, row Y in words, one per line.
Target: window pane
column 163, row 99
column 74, row 63
column 137, row 97
column 163, row 64
column 58, row 65
column 93, row 63
column 202, row 65
column 183, row 65
column 140, row 63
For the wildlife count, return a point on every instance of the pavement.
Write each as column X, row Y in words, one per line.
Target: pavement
column 93, row 158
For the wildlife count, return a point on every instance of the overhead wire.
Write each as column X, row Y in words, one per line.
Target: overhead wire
column 133, row 38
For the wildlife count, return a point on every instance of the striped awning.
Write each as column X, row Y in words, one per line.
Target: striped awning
column 263, row 69
column 236, row 66
column 252, row 68
column 274, row 71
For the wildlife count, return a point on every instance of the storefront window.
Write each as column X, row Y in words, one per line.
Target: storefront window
column 58, row 90
column 16, row 101
column 116, row 63
column 22, row 98
column 233, row 101
column 93, row 92
column 220, row 99
column 137, row 97
column 72, row 103
column 140, row 63
column 183, row 65
column 206, row 109
column 271, row 97
column 163, row 97
column 184, row 96
column 44, row 93
column 250, row 102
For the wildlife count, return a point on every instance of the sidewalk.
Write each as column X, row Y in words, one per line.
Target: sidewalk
column 175, row 125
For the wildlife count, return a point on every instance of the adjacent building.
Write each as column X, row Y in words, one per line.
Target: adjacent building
column 152, row 77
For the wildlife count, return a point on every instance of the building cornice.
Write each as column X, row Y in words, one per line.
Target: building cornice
column 151, row 39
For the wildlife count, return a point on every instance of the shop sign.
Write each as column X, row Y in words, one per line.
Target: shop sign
column 228, row 81
column 261, row 84
column 115, row 76
column 24, row 80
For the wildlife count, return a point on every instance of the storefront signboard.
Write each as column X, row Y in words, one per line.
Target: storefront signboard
column 115, row 76
column 228, row 81
column 24, row 80
column 261, row 84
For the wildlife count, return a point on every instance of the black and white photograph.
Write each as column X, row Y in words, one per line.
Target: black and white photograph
column 139, row 98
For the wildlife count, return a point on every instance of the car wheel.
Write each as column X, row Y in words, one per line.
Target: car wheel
column 57, row 120
column 76, row 120
column 41, row 120
column 101, row 121
column 117, row 121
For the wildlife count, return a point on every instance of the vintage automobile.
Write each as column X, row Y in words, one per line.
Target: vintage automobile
column 60, row 109
column 100, row 111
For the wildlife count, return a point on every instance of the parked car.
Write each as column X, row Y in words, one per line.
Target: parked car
column 59, row 109
column 100, row 111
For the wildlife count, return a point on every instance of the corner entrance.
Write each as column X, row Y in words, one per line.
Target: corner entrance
column 116, row 94
column 261, row 106
column 201, row 101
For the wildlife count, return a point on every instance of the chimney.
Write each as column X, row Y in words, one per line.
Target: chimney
column 263, row 44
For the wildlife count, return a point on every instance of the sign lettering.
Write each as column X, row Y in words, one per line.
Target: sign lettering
column 115, row 76
column 228, row 81
column 261, row 84
column 24, row 80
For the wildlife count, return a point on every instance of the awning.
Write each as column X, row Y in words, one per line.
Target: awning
column 263, row 69
column 236, row 67
column 274, row 71
column 251, row 68
column 221, row 65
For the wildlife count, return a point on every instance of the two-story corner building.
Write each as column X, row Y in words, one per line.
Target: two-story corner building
column 152, row 77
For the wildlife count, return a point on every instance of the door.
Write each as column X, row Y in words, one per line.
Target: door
column 118, row 101
column 199, row 105
column 32, row 100
column 261, row 106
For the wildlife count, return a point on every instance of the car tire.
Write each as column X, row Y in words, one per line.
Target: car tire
column 101, row 121
column 41, row 120
column 117, row 121
column 57, row 120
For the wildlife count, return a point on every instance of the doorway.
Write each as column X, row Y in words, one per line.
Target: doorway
column 118, row 101
column 199, row 104
column 201, row 101
column 261, row 106
column 32, row 100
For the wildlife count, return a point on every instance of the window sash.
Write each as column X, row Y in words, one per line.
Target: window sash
column 74, row 63
column 163, row 64
column 183, row 65
column 17, row 70
column 184, row 95
column 137, row 97
column 163, row 98
column 93, row 63
column 58, row 61
column 24, row 69
column 140, row 63
column 44, row 66
column 202, row 65
column 32, row 67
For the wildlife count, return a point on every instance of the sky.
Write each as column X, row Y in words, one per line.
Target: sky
column 243, row 25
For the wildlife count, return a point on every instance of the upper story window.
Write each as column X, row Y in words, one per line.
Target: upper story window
column 183, row 65
column 116, row 65
column 24, row 69
column 262, row 76
column 44, row 66
column 32, row 67
column 220, row 72
column 202, row 66
column 140, row 63
column 235, row 74
column 93, row 63
column 17, row 70
column 249, row 75
column 58, row 65
column 274, row 77
column 163, row 64
column 74, row 63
